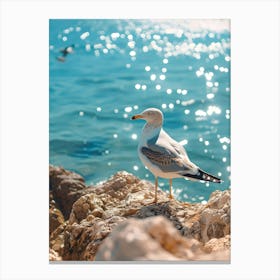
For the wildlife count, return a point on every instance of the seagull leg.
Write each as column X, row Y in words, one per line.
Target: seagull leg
column 170, row 189
column 156, row 187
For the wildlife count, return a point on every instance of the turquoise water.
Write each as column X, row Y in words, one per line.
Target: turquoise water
column 121, row 67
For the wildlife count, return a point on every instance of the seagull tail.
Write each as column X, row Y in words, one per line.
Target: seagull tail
column 204, row 176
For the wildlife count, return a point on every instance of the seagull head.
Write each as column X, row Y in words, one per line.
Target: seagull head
column 152, row 116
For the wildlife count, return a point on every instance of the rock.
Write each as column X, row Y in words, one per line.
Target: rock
column 219, row 200
column 65, row 186
column 171, row 209
column 56, row 241
column 53, row 255
column 124, row 191
column 55, row 219
column 202, row 222
column 90, row 214
column 154, row 238
column 58, row 174
column 218, row 244
column 82, row 240
column 215, row 218
column 86, row 205
column 223, row 256
column 94, row 214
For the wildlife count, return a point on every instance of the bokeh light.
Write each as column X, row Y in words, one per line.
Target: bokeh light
column 121, row 67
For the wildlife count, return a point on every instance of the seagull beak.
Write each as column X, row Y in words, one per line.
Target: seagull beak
column 137, row 117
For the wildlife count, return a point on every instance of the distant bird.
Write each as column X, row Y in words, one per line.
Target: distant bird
column 164, row 156
column 65, row 52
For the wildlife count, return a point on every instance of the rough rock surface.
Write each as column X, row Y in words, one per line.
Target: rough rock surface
column 92, row 213
column 53, row 255
column 65, row 186
column 217, row 244
column 154, row 238
column 56, row 218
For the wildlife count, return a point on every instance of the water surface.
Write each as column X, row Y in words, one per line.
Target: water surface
column 121, row 67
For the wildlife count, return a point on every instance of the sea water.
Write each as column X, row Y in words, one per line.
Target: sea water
column 117, row 69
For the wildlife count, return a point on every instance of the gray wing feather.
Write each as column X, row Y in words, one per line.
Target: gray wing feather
column 170, row 144
column 168, row 155
column 164, row 159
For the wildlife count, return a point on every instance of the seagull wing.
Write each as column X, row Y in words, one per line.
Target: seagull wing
column 169, row 155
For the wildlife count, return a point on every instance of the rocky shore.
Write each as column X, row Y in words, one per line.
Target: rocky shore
column 118, row 221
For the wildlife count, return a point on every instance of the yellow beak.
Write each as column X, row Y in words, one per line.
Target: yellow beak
column 137, row 117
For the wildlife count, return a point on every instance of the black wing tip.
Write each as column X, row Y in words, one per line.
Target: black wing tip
column 204, row 176
column 209, row 178
column 219, row 181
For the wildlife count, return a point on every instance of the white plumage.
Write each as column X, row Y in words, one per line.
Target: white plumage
column 164, row 156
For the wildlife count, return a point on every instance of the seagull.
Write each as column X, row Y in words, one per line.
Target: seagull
column 67, row 50
column 163, row 156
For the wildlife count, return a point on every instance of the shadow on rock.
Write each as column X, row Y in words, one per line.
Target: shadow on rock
column 83, row 218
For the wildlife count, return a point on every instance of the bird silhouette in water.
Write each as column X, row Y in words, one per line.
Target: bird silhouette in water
column 67, row 50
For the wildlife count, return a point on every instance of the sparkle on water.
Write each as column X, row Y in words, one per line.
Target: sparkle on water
column 119, row 68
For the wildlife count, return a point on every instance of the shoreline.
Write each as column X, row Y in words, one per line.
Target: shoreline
column 118, row 221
